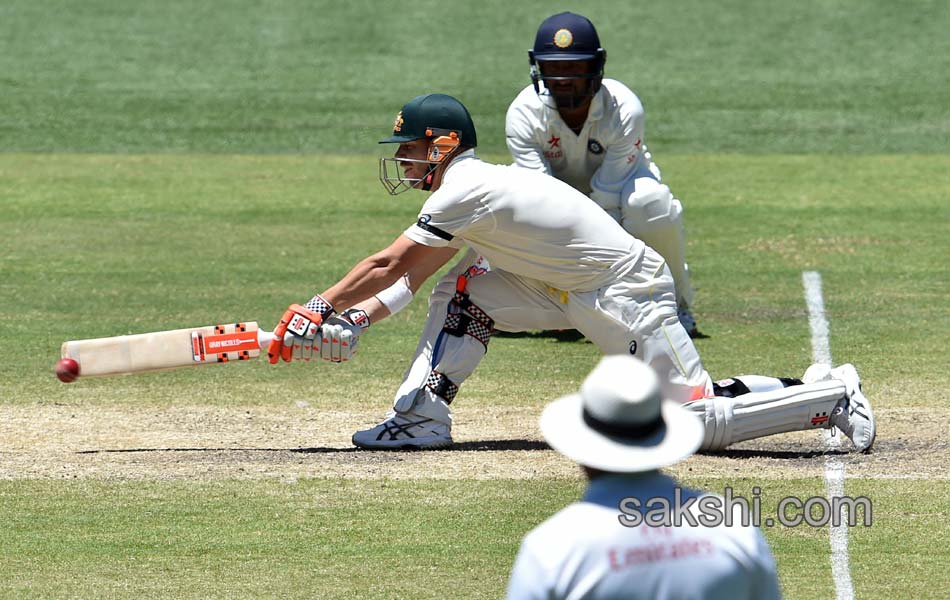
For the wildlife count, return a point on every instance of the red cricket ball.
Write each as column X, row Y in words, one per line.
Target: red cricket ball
column 67, row 370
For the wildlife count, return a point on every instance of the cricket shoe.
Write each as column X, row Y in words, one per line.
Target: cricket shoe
column 405, row 431
column 853, row 415
column 688, row 322
column 817, row 372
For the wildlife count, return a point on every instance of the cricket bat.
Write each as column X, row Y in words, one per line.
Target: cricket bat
column 161, row 350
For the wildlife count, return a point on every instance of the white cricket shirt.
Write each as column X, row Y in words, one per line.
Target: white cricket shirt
column 526, row 223
column 600, row 159
column 584, row 552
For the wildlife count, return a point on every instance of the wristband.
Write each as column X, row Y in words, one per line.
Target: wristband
column 397, row 296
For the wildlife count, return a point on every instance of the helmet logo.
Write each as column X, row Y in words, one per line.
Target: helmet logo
column 563, row 38
column 434, row 154
column 397, row 125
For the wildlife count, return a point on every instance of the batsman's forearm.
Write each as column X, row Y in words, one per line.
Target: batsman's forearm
column 381, row 270
column 369, row 277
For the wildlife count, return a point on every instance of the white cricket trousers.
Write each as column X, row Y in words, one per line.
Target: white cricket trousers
column 634, row 315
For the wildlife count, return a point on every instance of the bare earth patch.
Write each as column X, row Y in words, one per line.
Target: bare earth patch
column 201, row 443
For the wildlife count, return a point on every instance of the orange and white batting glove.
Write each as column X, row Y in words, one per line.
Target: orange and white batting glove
column 297, row 329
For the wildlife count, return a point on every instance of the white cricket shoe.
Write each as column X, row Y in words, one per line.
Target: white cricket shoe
column 853, row 415
column 405, row 431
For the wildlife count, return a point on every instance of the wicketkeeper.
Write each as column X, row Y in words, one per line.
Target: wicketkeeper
column 558, row 261
column 589, row 131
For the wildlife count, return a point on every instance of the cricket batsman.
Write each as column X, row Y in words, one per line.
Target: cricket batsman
column 558, row 261
column 588, row 131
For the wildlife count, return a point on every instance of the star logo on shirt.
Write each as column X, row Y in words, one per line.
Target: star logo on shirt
column 555, row 141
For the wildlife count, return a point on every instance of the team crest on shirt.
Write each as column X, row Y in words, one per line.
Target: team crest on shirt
column 595, row 147
column 397, row 125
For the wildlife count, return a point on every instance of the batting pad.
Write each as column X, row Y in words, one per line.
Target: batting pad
column 759, row 414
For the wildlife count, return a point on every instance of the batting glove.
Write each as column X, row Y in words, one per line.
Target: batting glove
column 338, row 337
column 297, row 329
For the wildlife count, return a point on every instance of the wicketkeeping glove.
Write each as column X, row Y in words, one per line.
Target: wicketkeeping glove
column 298, row 326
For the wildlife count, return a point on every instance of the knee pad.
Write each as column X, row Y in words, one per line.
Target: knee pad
column 653, row 215
column 459, row 347
column 647, row 201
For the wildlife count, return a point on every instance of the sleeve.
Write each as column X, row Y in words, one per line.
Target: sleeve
column 528, row 580
column 520, row 135
column 624, row 148
column 444, row 218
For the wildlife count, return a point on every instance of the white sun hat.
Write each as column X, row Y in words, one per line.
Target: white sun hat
column 620, row 422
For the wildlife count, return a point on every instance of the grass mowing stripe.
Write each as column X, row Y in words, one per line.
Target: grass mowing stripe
column 310, row 538
column 104, row 245
column 419, row 538
column 323, row 76
column 307, row 538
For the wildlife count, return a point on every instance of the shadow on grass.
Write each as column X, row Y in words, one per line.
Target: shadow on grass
column 566, row 335
column 497, row 446
column 132, row 450
column 562, row 335
column 781, row 454
column 475, row 446
column 481, row 446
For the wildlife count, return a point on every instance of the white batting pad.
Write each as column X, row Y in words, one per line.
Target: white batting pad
column 759, row 414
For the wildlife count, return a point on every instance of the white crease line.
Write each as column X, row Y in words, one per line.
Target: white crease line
column 834, row 468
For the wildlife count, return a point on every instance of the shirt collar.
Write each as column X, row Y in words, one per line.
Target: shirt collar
column 463, row 157
column 608, row 489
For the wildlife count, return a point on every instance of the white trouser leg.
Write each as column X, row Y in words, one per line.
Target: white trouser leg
column 513, row 304
column 759, row 414
column 637, row 315
column 651, row 213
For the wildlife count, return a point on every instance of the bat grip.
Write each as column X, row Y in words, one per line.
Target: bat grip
column 264, row 338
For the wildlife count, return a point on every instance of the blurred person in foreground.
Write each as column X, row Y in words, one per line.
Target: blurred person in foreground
column 621, row 431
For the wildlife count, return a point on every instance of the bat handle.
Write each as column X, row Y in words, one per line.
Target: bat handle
column 264, row 338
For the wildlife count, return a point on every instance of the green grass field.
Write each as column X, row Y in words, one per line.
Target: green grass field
column 185, row 164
